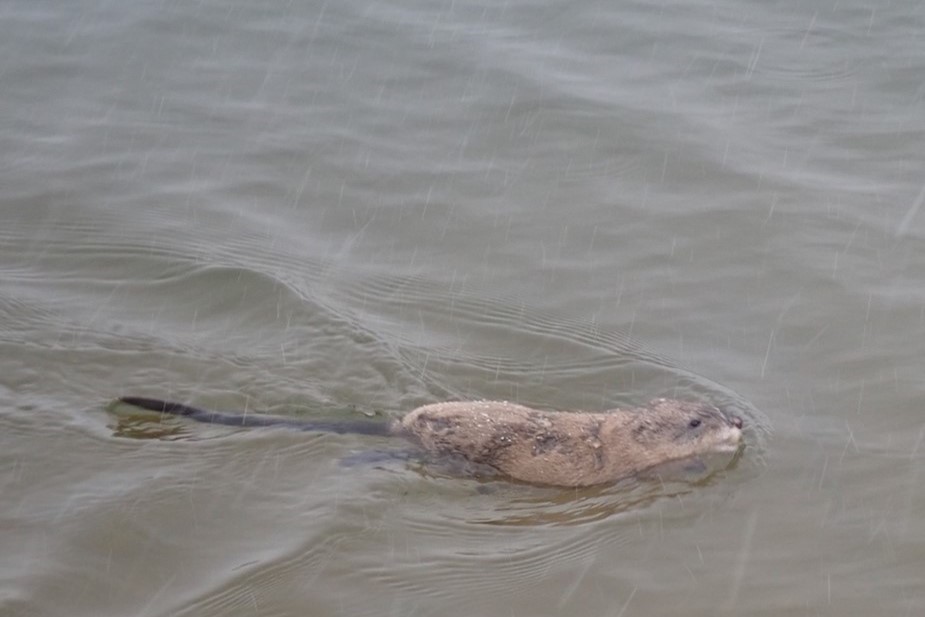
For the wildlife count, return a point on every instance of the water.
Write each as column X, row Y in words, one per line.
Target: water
column 342, row 209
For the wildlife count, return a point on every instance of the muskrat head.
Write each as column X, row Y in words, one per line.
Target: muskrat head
column 673, row 429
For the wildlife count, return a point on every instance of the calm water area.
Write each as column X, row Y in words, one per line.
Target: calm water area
column 348, row 209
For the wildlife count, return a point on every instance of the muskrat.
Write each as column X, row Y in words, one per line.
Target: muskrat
column 568, row 449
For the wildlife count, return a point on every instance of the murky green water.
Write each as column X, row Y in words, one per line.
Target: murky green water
column 355, row 208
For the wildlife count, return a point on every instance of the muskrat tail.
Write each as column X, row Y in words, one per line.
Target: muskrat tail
column 362, row 427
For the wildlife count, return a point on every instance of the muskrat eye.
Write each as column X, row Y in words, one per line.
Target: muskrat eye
column 694, row 423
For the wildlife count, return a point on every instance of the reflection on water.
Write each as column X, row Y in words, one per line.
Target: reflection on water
column 144, row 428
column 588, row 504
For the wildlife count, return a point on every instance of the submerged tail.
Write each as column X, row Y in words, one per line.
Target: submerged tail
column 257, row 419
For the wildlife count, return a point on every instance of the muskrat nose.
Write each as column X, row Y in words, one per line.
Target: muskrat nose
column 736, row 421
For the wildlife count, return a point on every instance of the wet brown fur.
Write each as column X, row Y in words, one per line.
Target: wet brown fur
column 571, row 448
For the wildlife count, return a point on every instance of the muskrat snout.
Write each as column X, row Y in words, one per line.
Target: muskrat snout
column 736, row 421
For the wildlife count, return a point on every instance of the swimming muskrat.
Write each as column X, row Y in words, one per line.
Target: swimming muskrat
column 541, row 447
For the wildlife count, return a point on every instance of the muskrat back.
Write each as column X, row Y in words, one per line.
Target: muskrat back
column 572, row 448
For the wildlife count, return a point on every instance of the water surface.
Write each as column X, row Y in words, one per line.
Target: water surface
column 352, row 208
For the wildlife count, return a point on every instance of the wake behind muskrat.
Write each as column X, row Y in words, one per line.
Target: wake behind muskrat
column 567, row 449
